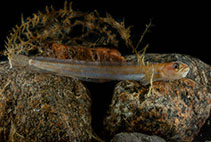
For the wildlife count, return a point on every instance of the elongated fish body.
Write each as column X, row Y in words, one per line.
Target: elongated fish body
column 88, row 69
column 103, row 71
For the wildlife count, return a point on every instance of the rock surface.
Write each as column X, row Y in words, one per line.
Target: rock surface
column 200, row 72
column 174, row 110
column 45, row 107
column 42, row 107
column 136, row 137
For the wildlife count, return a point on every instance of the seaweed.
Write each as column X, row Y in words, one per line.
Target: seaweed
column 66, row 26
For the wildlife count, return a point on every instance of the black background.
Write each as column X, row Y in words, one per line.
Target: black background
column 178, row 27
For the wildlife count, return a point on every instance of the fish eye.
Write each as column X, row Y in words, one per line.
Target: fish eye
column 176, row 66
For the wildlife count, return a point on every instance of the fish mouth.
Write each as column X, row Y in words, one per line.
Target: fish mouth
column 185, row 71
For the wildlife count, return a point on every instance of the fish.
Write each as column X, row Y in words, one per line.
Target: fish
column 102, row 71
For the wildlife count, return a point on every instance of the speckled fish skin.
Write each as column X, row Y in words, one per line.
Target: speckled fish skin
column 200, row 72
column 174, row 110
column 104, row 71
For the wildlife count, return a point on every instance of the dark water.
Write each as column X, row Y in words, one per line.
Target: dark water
column 178, row 27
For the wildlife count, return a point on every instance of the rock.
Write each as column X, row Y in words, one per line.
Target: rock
column 204, row 134
column 174, row 110
column 42, row 107
column 136, row 137
column 200, row 72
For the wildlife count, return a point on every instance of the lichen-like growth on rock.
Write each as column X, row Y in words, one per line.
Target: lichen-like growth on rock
column 65, row 26
column 38, row 107
column 174, row 110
